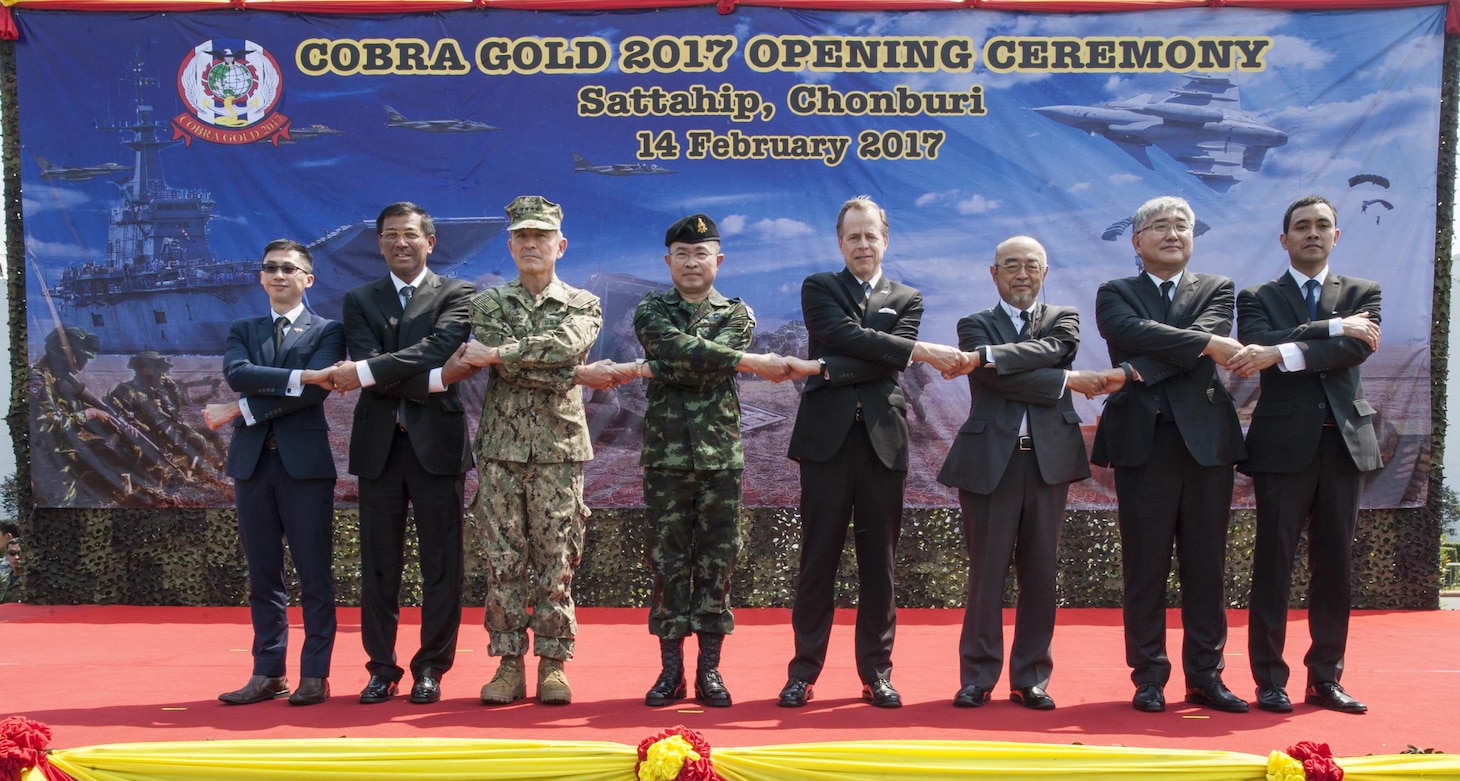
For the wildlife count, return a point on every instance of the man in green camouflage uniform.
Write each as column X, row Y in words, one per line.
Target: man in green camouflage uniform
column 694, row 342
column 531, row 444
column 82, row 455
column 152, row 402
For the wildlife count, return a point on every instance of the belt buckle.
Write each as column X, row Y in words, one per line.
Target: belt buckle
column 1026, row 443
column 858, row 416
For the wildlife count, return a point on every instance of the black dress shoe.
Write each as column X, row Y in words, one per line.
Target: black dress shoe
column 795, row 693
column 970, row 696
column 710, row 689
column 1033, row 698
column 258, row 689
column 1215, row 695
column 1330, row 695
column 427, row 688
column 1273, row 699
column 378, row 690
column 1149, row 698
column 311, row 691
column 881, row 694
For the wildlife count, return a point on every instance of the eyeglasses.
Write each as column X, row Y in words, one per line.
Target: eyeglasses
column 1028, row 266
column 392, row 237
column 703, row 256
column 275, row 268
column 1164, row 227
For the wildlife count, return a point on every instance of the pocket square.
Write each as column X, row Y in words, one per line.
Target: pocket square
column 886, row 310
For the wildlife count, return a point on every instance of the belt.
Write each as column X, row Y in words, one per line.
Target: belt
column 1026, row 443
column 270, row 443
column 1330, row 424
column 858, row 416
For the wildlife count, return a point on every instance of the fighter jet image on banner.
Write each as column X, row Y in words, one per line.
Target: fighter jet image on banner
column 436, row 125
column 312, row 132
column 582, row 166
column 1201, row 125
column 50, row 170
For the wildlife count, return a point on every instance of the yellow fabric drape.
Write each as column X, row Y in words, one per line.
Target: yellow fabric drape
column 449, row 759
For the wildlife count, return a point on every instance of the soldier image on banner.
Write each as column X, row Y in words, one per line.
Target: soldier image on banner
column 96, row 457
column 152, row 402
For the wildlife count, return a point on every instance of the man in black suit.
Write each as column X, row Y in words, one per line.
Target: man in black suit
column 408, row 446
column 1012, row 463
column 1172, row 435
column 850, row 439
column 283, row 473
column 1309, row 446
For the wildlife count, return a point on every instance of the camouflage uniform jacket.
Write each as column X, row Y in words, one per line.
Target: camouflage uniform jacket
column 532, row 411
column 693, row 420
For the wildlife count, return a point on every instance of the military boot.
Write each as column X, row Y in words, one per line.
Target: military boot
column 709, row 687
column 670, row 685
column 552, row 682
column 508, row 685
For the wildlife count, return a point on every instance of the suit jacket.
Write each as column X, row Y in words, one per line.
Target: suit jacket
column 864, row 351
column 1168, row 356
column 402, row 347
column 254, row 370
column 1027, row 374
column 1290, row 413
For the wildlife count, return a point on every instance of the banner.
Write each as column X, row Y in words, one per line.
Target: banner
column 162, row 151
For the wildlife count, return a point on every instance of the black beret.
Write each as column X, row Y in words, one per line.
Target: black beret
column 692, row 230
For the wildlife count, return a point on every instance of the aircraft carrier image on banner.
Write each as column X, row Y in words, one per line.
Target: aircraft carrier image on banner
column 162, row 288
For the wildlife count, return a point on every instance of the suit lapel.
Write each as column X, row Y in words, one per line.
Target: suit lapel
column 422, row 302
column 265, row 333
column 852, row 288
column 1288, row 288
column 1149, row 295
column 1182, row 299
column 388, row 302
column 1002, row 325
column 292, row 336
column 1328, row 296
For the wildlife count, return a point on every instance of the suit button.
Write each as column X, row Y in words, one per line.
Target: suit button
column 1322, row 405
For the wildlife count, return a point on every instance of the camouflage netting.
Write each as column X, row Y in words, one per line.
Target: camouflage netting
column 193, row 557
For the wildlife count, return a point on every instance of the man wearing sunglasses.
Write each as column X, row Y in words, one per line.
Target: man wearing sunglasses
column 283, row 473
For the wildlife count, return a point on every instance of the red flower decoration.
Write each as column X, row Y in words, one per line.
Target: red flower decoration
column 694, row 770
column 725, row 6
column 23, row 746
column 1317, row 759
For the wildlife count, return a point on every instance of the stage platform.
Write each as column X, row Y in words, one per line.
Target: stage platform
column 116, row 674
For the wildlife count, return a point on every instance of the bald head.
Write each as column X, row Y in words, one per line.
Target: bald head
column 1019, row 270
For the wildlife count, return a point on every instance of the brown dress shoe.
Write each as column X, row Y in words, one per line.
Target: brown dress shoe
column 311, row 691
column 258, row 689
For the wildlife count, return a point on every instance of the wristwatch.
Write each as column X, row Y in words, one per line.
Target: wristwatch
column 825, row 373
column 639, row 367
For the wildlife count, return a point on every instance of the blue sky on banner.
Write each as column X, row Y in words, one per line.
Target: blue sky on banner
column 1354, row 93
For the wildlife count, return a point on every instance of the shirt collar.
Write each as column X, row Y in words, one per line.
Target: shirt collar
column 293, row 314
column 1013, row 313
column 1157, row 280
column 1300, row 277
column 416, row 283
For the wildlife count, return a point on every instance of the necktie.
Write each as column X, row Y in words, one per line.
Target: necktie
column 1310, row 295
column 1166, row 299
column 405, row 294
column 281, row 324
column 1024, row 329
column 866, row 294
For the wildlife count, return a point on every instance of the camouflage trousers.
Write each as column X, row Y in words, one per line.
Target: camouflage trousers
column 530, row 519
column 692, row 541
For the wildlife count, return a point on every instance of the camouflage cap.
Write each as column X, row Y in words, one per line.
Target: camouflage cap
column 150, row 359
column 77, row 340
column 534, row 211
column 692, row 230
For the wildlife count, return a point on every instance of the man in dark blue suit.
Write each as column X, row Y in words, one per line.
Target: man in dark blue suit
column 283, row 473
column 1309, row 447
